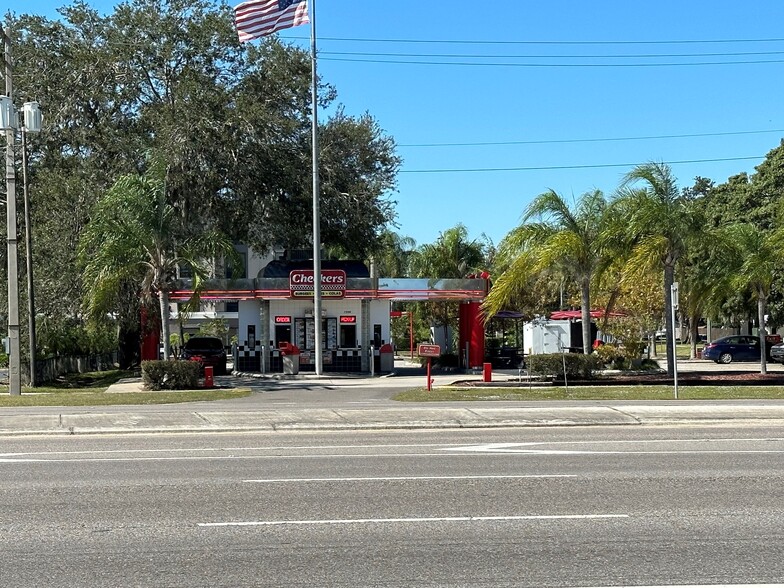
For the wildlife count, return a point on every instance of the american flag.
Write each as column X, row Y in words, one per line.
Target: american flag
column 258, row 18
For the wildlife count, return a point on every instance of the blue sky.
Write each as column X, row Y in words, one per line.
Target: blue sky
column 546, row 112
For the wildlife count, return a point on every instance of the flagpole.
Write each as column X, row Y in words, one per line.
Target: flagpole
column 316, row 216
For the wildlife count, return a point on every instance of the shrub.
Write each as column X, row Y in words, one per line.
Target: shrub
column 608, row 354
column 552, row 364
column 619, row 358
column 170, row 375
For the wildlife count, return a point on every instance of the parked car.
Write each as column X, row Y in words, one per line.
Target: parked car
column 733, row 348
column 777, row 352
column 208, row 351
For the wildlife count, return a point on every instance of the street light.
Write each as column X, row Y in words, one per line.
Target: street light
column 31, row 118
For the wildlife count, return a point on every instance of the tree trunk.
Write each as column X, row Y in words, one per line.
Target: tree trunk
column 761, row 303
column 585, row 294
column 163, row 297
column 693, row 335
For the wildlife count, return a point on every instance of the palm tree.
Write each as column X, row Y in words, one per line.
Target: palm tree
column 654, row 223
column 564, row 238
column 132, row 236
column 751, row 261
column 393, row 254
column 453, row 255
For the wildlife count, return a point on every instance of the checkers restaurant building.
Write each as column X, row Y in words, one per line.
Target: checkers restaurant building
column 275, row 310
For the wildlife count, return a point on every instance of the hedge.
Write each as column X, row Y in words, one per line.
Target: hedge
column 552, row 364
column 170, row 375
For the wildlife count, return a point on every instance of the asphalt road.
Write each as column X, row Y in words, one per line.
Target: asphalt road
column 581, row 506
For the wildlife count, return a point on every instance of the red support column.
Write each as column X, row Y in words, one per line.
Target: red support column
column 411, row 332
column 472, row 333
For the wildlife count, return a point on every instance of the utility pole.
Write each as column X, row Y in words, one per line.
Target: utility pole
column 14, row 359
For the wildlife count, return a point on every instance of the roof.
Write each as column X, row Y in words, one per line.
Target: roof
column 578, row 314
column 282, row 269
column 507, row 314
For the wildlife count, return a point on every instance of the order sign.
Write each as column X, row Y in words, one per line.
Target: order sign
column 429, row 350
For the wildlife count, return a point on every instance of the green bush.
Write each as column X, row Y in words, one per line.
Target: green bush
column 552, row 364
column 619, row 358
column 170, row 375
column 608, row 354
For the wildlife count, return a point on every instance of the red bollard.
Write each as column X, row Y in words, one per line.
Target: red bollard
column 487, row 372
column 208, row 381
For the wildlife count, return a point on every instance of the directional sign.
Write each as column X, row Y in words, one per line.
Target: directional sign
column 429, row 350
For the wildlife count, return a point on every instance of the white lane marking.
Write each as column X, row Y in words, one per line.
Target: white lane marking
column 440, row 446
column 406, row 478
column 468, row 453
column 700, row 586
column 413, row 520
column 523, row 448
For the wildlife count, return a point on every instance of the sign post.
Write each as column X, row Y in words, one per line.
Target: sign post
column 429, row 351
column 674, row 307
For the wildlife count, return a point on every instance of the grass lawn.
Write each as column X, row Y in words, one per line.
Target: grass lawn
column 89, row 389
column 446, row 394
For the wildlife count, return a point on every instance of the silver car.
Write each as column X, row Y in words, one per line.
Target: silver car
column 777, row 352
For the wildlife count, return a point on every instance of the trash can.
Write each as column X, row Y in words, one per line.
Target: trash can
column 290, row 355
column 386, row 358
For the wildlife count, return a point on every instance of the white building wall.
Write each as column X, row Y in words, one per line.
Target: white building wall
column 344, row 307
column 249, row 315
column 257, row 262
column 379, row 315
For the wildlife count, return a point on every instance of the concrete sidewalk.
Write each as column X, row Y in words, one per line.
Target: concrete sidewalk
column 233, row 417
column 239, row 417
column 478, row 415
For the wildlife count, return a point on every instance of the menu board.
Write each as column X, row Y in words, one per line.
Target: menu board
column 305, row 333
column 332, row 333
column 310, row 333
column 299, row 334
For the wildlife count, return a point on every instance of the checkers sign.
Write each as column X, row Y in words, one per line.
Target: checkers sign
column 333, row 283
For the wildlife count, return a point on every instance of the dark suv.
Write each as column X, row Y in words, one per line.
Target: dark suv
column 208, row 351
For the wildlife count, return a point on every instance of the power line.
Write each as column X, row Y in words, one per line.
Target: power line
column 550, row 65
column 562, row 167
column 589, row 56
column 591, row 140
column 496, row 42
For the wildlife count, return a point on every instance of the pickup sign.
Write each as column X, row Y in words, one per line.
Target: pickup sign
column 429, row 350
